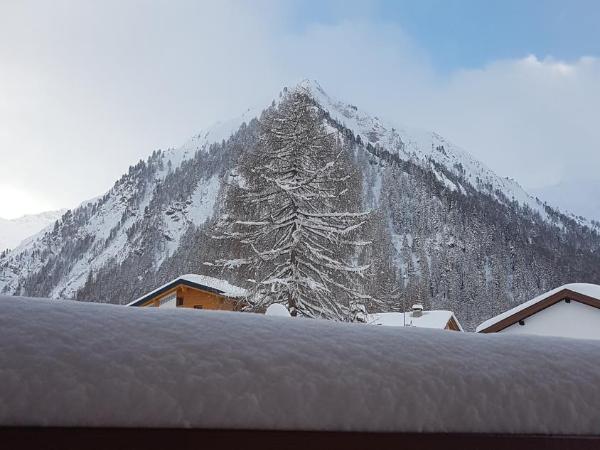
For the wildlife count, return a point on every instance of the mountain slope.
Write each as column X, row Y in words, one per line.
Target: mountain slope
column 578, row 196
column 14, row 231
column 446, row 230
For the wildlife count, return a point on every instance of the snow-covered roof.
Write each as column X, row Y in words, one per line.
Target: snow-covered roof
column 428, row 319
column 199, row 281
column 84, row 364
column 590, row 290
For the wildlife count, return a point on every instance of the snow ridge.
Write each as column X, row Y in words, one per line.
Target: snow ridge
column 425, row 147
column 227, row 370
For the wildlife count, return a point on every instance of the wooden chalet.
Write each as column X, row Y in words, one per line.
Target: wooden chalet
column 195, row 291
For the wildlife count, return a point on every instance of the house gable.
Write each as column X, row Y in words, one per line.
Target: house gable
column 171, row 288
column 194, row 291
column 522, row 314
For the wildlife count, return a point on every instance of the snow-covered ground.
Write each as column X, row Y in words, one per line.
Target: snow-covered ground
column 84, row 364
column 14, row 231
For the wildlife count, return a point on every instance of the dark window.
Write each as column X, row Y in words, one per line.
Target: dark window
column 198, row 307
column 567, row 300
column 521, row 322
column 179, row 301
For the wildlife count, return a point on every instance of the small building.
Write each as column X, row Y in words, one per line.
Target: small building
column 572, row 310
column 417, row 317
column 195, row 291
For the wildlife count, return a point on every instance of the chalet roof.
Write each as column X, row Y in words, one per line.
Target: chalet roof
column 583, row 292
column 203, row 282
column 429, row 319
column 70, row 364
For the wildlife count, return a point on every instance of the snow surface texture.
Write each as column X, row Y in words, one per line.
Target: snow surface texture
column 15, row 231
column 84, row 364
column 591, row 290
column 225, row 287
column 428, row 319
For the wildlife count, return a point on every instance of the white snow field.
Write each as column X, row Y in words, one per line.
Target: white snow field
column 83, row 364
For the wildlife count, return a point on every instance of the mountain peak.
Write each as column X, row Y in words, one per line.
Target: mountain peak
column 309, row 85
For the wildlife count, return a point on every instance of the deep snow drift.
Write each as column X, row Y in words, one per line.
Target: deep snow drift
column 84, row 364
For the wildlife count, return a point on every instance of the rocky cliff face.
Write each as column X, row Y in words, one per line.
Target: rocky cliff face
column 446, row 231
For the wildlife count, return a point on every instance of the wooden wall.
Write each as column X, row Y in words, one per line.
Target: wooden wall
column 194, row 298
column 452, row 325
column 188, row 297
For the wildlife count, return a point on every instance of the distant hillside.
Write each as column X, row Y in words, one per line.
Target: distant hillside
column 13, row 231
column 580, row 197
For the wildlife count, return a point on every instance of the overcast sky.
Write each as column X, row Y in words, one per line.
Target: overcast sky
column 87, row 88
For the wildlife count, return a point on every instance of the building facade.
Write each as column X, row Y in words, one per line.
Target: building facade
column 195, row 291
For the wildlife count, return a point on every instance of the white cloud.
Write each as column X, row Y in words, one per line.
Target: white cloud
column 88, row 88
column 534, row 120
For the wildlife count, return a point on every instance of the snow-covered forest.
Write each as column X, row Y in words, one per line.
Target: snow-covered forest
column 368, row 214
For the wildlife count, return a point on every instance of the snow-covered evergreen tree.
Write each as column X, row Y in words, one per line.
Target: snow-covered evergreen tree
column 358, row 312
column 294, row 214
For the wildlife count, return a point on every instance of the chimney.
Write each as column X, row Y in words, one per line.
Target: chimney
column 417, row 310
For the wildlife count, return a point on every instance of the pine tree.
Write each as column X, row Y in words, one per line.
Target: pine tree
column 294, row 214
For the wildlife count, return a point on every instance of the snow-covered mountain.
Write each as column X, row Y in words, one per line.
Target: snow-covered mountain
column 447, row 231
column 14, row 231
column 581, row 197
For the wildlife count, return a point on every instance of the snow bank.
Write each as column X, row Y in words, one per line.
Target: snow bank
column 591, row 290
column 81, row 364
